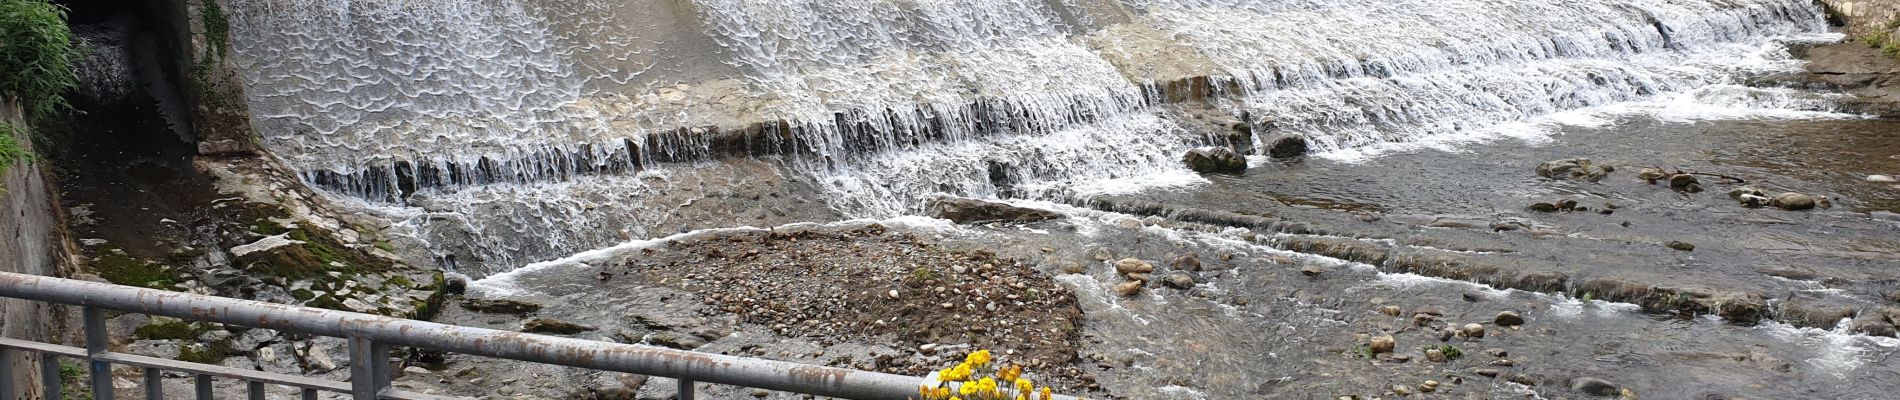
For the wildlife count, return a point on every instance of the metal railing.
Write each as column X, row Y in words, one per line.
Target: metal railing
column 369, row 339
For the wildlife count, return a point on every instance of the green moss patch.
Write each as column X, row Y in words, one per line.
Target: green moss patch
column 117, row 267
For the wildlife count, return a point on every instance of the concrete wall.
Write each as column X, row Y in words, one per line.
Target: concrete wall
column 32, row 240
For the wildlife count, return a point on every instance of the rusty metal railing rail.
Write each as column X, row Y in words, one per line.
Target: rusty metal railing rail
column 370, row 337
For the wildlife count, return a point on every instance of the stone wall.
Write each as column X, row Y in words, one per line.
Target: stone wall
column 33, row 241
column 1866, row 17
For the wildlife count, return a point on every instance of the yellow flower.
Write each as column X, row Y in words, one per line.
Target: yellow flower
column 967, row 389
column 987, row 384
column 979, row 358
column 955, row 374
column 1010, row 373
column 1024, row 385
column 1045, row 393
column 1020, row 396
column 944, row 393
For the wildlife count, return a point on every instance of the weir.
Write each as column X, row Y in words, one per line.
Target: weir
column 481, row 105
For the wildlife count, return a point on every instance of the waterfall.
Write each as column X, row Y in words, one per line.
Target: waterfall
column 525, row 129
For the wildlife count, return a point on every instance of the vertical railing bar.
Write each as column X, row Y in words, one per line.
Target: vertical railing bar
column 369, row 364
column 309, row 394
column 154, row 384
column 96, row 345
column 686, row 389
column 203, row 384
column 6, row 374
column 49, row 376
column 256, row 390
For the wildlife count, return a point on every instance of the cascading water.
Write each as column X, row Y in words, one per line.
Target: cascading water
column 525, row 129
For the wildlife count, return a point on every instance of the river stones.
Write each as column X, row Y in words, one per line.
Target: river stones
column 1286, row 146
column 1576, row 169
column 1474, row 331
column 1178, row 280
column 1508, row 318
column 1793, row 201
column 1208, row 160
column 1383, row 344
column 1133, row 266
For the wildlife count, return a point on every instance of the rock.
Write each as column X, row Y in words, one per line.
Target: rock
column 1312, row 270
column 1508, row 318
column 1178, row 280
column 1215, row 160
column 1286, row 146
column 1812, row 312
column 1474, row 331
column 966, row 211
column 1186, row 262
column 1100, row 254
column 1680, row 246
column 1737, row 193
column 1544, row 207
column 1133, row 266
column 1401, row 390
column 1881, row 179
column 1383, row 344
column 1486, row 372
column 455, row 284
column 223, row 148
column 1428, row 386
column 1435, row 355
column 1577, row 169
column 1073, row 268
column 1524, row 379
column 1240, row 137
column 1873, row 324
column 1594, row 386
column 1390, row 310
column 1144, row 278
column 500, row 306
column 1753, row 201
column 1472, row 296
column 1651, row 175
column 1429, row 310
column 550, row 326
column 1129, row 288
column 1792, row 201
column 1686, row 183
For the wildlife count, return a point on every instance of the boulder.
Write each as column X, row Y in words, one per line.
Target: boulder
column 1809, row 312
column 1286, row 146
column 1209, row 160
column 966, row 211
column 1577, row 169
column 1793, row 201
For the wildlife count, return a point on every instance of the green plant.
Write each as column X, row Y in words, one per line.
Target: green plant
column 217, row 29
column 922, row 274
column 1588, row 297
column 10, row 149
column 36, row 60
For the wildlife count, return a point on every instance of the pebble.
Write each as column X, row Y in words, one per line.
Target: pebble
column 1390, row 310
column 761, row 393
column 1133, row 266
column 1312, row 270
column 1401, row 390
column 1881, row 179
column 1428, row 386
column 1434, row 355
column 1681, row 246
column 1129, row 288
column 1474, row 331
column 1486, row 372
column 1178, row 280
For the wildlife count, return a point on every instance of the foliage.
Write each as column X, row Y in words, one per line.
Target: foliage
column 217, row 29
column 10, row 149
column 36, row 55
column 977, row 378
column 1450, row 351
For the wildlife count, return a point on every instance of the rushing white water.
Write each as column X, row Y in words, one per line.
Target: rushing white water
column 524, row 122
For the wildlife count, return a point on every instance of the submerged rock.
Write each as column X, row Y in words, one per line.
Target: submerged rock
column 1129, row 288
column 1215, row 160
column 1576, row 169
column 965, row 211
column 1594, row 386
column 551, row 326
column 1686, row 183
column 1681, row 246
column 500, row 306
column 1178, row 280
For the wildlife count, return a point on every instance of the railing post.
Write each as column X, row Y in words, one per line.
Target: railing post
column 256, row 390
column 202, row 384
column 6, row 374
column 96, row 343
column 49, row 376
column 369, row 368
column 686, row 389
column 154, row 384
